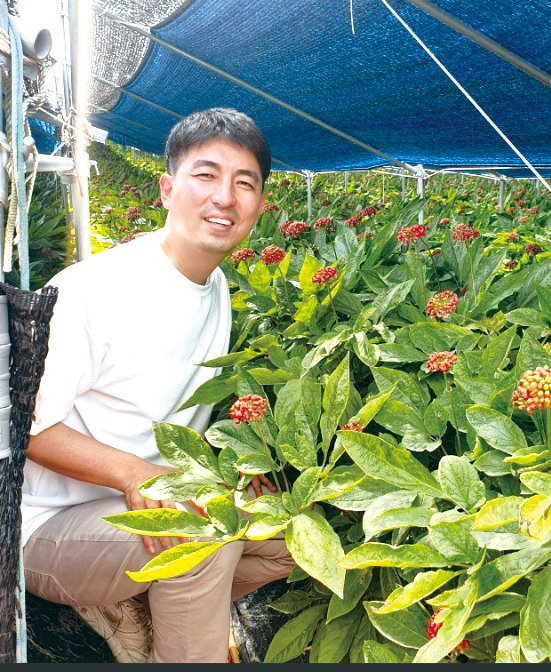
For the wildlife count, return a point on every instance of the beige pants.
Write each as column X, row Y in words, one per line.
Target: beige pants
column 75, row 558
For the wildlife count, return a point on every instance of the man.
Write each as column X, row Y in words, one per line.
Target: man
column 128, row 331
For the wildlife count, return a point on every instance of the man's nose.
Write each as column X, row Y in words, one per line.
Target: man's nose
column 224, row 193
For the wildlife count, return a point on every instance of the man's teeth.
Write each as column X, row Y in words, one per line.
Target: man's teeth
column 225, row 222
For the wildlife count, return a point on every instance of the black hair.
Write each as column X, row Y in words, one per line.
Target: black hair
column 217, row 122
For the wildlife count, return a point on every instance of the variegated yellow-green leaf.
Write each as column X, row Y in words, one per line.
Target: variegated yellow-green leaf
column 422, row 586
column 497, row 429
column 335, row 398
column 265, row 526
column 412, row 517
column 534, row 517
column 162, row 523
column 497, row 512
column 356, row 583
column 508, row 650
column 455, row 543
column 384, row 555
column 529, row 456
column 291, row 639
column 175, row 561
column 374, row 652
column 459, row 480
column 255, row 463
column 317, row 549
column 407, row 627
column 535, row 618
column 223, row 514
column 265, row 504
column 537, row 482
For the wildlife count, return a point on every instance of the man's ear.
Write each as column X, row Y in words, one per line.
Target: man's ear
column 165, row 184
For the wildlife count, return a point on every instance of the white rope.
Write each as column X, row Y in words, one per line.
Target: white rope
column 468, row 96
column 352, row 17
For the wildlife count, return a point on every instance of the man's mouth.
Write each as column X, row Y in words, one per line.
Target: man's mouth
column 217, row 220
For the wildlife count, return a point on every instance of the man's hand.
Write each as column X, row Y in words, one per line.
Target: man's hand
column 258, row 481
column 135, row 502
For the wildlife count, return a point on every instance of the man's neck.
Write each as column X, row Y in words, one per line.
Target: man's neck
column 198, row 268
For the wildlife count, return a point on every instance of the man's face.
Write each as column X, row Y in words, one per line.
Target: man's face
column 214, row 200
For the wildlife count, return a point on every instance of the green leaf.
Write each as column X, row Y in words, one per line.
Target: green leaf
column 305, row 391
column 335, row 399
column 175, row 486
column 305, row 442
column 459, row 481
column 175, row 443
column 455, row 543
column 531, row 355
column 428, row 337
column 408, row 390
column 232, row 359
column 356, row 583
column 265, row 526
column 544, row 298
column 212, row 391
column 309, row 267
column 223, row 514
column 361, row 496
column 365, row 631
column 260, row 279
column 388, row 300
column 378, row 653
column 534, row 517
column 508, row 650
column 379, row 459
column 407, row 627
column 502, row 288
column 316, row 548
column 208, row 491
column 254, row 464
column 268, row 504
column 422, row 586
column 528, row 317
column 500, row 574
column 395, row 518
column 535, row 618
column 492, row 463
column 338, row 636
column 240, row 438
column 497, row 429
column 291, row 602
column 497, row 512
column 478, row 389
column 365, row 351
column 399, row 418
column 226, row 465
column 398, row 499
column 175, row 561
column 293, row 637
column 338, row 482
column 395, row 352
column 495, row 355
column 382, row 555
column 162, row 523
column 304, row 486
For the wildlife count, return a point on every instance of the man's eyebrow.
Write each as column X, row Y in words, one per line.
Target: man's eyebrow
column 212, row 164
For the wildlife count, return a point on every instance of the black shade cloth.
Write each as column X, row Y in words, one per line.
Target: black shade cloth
column 29, row 319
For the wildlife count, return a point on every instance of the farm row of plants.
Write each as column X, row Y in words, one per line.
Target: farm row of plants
column 391, row 373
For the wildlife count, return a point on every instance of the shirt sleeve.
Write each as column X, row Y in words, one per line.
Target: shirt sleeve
column 73, row 361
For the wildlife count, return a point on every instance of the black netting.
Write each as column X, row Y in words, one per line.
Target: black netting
column 29, row 319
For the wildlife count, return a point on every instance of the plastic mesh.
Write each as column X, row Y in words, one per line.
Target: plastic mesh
column 29, row 319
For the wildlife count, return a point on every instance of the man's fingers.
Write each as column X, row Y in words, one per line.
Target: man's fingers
column 266, row 481
column 149, row 545
column 199, row 508
column 255, row 482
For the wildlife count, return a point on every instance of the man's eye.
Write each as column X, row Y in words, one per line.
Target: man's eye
column 204, row 175
column 244, row 183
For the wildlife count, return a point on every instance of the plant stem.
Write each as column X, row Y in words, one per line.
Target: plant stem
column 269, row 455
column 472, row 272
column 284, row 285
column 450, row 392
column 332, row 306
column 548, row 418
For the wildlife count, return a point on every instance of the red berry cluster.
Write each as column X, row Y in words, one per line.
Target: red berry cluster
column 250, row 408
column 127, row 239
column 435, row 252
column 533, row 249
column 433, row 629
column 269, row 207
column 367, row 212
column 511, row 265
column 108, row 210
column 325, row 203
column 136, row 231
column 294, row 229
column 353, row 221
column 324, row 275
column 284, row 182
column 158, row 202
column 122, row 229
column 534, row 390
column 409, row 233
column 354, row 426
column 441, row 361
column 283, row 226
column 444, row 221
column 513, row 235
column 464, row 233
column 523, row 220
column 272, row 254
column 241, row 255
column 533, row 211
column 132, row 214
column 323, row 222
column 442, row 305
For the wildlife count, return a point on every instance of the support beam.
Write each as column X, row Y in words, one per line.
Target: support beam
column 421, row 190
column 346, row 180
column 309, row 182
column 501, row 193
column 483, row 40
column 403, row 180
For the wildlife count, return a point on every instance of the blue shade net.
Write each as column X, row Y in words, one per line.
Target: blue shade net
column 377, row 85
column 44, row 135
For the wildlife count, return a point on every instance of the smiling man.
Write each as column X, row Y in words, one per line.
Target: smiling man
column 129, row 329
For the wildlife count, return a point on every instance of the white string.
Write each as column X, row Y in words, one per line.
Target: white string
column 352, row 17
column 469, row 97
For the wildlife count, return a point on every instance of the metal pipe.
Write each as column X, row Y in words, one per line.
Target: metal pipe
column 346, row 180
column 309, row 182
column 49, row 162
column 483, row 40
column 403, row 180
column 421, row 191
column 79, row 186
column 501, row 193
